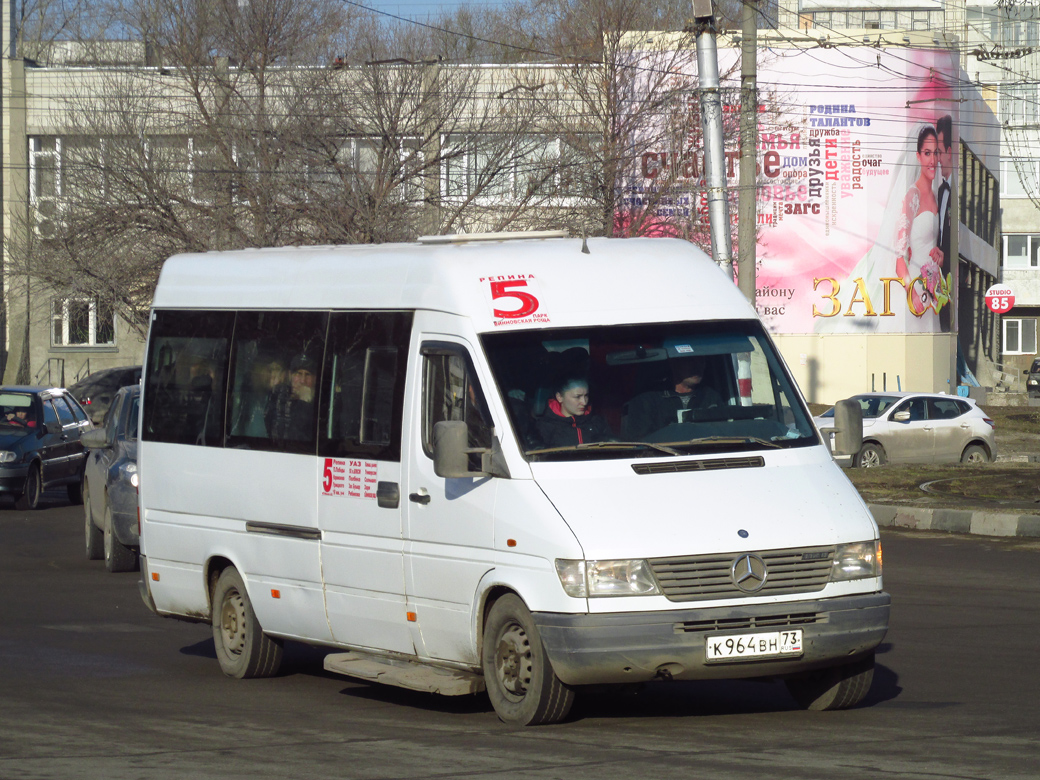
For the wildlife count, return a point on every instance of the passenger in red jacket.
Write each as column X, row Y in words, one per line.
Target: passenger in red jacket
column 569, row 420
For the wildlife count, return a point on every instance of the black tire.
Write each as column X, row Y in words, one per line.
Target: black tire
column 974, row 453
column 94, row 537
column 118, row 557
column 871, row 454
column 833, row 688
column 30, row 497
column 522, row 686
column 243, row 649
column 75, row 491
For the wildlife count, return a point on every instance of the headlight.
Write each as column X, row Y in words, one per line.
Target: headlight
column 856, row 561
column 6, row 456
column 129, row 473
column 606, row 578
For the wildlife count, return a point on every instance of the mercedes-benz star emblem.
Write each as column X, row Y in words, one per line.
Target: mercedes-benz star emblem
column 749, row 573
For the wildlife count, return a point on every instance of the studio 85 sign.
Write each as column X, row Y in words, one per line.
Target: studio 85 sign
column 514, row 299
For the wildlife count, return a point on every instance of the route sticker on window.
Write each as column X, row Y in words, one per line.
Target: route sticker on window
column 514, row 299
column 351, row 478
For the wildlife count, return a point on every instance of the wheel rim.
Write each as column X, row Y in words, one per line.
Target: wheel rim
column 32, row 490
column 513, row 661
column 233, row 623
column 975, row 457
column 870, row 458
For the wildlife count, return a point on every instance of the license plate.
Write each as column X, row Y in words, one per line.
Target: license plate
column 737, row 647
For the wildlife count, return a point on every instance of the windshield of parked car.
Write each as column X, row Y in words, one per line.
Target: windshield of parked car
column 17, row 412
column 653, row 390
column 870, row 405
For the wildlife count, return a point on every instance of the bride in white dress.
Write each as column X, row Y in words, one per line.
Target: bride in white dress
column 919, row 263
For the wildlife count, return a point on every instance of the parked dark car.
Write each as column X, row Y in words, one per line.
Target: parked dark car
column 40, row 447
column 110, row 485
column 1033, row 380
column 95, row 392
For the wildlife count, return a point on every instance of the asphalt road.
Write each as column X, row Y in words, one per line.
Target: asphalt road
column 92, row 685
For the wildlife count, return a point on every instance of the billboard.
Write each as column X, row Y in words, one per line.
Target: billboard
column 856, row 165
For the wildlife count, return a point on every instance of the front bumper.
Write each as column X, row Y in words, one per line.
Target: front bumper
column 12, row 478
column 636, row 647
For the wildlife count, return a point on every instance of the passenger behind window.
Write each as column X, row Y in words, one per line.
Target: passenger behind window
column 268, row 373
column 202, row 411
column 290, row 416
column 569, row 420
column 656, row 409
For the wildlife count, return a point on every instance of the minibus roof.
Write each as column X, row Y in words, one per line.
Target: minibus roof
column 528, row 283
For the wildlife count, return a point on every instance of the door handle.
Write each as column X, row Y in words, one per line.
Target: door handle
column 422, row 497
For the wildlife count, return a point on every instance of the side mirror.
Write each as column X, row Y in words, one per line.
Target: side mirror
column 848, row 428
column 451, row 453
column 96, row 438
column 902, row 416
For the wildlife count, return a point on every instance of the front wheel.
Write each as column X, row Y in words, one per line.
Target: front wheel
column 30, row 498
column 243, row 649
column 522, row 686
column 975, row 454
column 118, row 557
column 870, row 455
column 833, row 688
column 94, row 537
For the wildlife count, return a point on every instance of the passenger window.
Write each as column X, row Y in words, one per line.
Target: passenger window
column 131, row 425
column 77, row 410
column 112, row 419
column 187, row 377
column 942, row 409
column 49, row 415
column 363, row 390
column 64, row 413
column 276, row 372
column 451, row 392
column 916, row 408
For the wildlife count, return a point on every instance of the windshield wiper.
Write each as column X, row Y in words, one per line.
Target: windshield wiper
column 607, row 444
column 728, row 440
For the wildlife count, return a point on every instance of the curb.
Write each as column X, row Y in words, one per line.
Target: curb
column 960, row 521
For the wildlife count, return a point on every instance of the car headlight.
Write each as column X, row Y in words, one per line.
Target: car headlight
column 6, row 456
column 129, row 473
column 856, row 561
column 593, row 579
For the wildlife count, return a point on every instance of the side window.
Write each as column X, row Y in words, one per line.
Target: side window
column 131, row 425
column 276, row 369
column 916, row 407
column 49, row 415
column 943, row 409
column 64, row 412
column 115, row 411
column 451, row 392
column 363, row 388
column 77, row 410
column 184, row 397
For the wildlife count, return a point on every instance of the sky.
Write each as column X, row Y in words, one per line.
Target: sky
column 421, row 9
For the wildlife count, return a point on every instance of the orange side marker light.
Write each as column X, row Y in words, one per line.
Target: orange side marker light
column 510, row 542
column 412, row 617
column 155, row 576
column 275, row 593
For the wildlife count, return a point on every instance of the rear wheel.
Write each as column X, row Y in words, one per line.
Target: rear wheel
column 118, row 557
column 522, row 686
column 834, row 688
column 973, row 453
column 30, row 498
column 870, row 455
column 243, row 649
column 94, row 537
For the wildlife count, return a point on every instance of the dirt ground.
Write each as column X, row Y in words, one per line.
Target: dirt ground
column 1012, row 484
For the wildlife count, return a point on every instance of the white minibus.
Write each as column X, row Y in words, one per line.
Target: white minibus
column 520, row 465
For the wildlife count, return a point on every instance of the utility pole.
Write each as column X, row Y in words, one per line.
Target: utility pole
column 747, row 207
column 711, row 128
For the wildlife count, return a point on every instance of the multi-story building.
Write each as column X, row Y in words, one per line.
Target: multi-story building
column 999, row 43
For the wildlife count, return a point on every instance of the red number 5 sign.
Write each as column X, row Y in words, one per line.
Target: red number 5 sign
column 524, row 305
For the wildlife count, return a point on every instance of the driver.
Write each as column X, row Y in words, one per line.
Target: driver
column 20, row 416
column 656, row 409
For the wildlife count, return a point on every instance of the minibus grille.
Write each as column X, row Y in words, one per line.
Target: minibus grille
column 711, row 464
column 703, row 577
column 750, row 622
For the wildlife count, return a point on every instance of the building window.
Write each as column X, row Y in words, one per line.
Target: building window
column 1018, row 177
column 82, row 322
column 1021, row 251
column 1020, row 336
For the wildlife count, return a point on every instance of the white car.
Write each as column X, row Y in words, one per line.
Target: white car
column 919, row 428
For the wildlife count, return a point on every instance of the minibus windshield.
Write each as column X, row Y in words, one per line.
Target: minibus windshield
column 656, row 390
